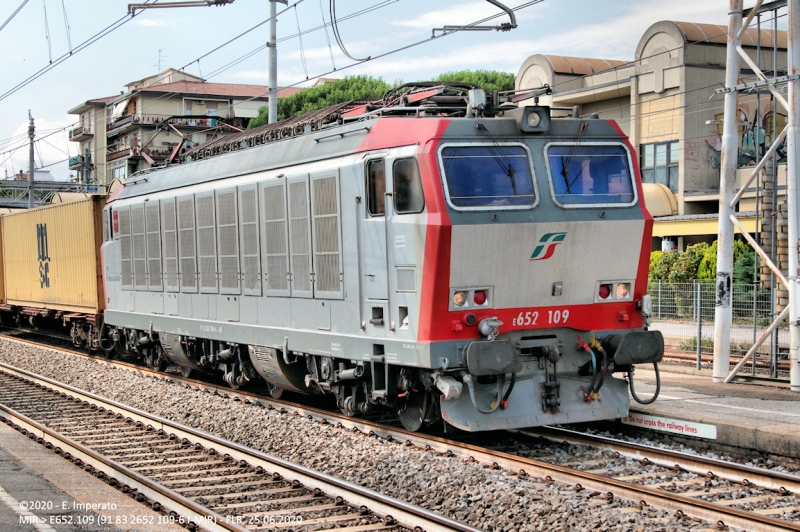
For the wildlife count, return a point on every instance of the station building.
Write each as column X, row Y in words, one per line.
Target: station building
column 664, row 99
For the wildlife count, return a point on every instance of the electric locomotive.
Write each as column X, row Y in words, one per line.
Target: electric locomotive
column 442, row 252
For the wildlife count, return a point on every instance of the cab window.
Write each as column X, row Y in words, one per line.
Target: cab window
column 376, row 187
column 488, row 176
column 590, row 175
column 407, row 194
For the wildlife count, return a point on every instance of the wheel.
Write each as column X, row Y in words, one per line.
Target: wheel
column 411, row 410
column 275, row 391
column 187, row 372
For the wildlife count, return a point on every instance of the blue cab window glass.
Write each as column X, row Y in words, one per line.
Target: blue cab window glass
column 488, row 176
column 585, row 174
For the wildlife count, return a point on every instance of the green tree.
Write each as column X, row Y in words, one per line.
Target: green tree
column 367, row 87
column 743, row 254
column 487, row 79
column 684, row 269
column 744, row 266
column 327, row 94
column 707, row 271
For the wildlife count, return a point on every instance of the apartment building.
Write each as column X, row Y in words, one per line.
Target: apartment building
column 150, row 122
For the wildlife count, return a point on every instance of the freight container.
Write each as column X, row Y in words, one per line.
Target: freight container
column 51, row 257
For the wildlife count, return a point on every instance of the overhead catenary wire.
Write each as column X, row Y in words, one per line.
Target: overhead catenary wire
column 14, row 14
column 327, row 37
column 333, row 64
column 335, row 29
column 324, row 26
column 226, row 43
column 66, row 25
column 47, row 31
column 246, row 56
column 300, row 38
column 91, row 40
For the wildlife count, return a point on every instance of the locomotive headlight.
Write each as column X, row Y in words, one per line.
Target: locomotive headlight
column 460, row 298
column 623, row 290
column 534, row 119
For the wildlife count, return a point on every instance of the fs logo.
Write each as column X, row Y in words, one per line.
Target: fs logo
column 547, row 245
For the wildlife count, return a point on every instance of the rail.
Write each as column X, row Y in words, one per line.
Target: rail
column 782, row 485
column 393, row 512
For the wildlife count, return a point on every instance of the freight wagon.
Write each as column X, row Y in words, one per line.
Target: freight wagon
column 52, row 269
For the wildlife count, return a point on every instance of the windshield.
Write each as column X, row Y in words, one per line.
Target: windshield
column 488, row 176
column 590, row 174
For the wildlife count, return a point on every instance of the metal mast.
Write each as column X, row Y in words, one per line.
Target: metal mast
column 273, row 63
column 727, row 178
column 31, row 130
column 728, row 201
column 791, row 190
column 273, row 60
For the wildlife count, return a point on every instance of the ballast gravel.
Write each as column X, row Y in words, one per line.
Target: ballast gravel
column 486, row 499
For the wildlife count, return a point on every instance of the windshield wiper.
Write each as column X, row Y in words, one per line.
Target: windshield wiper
column 501, row 159
column 565, row 173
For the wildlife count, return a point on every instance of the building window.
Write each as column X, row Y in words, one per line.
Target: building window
column 188, row 108
column 211, row 108
column 119, row 172
column 660, row 163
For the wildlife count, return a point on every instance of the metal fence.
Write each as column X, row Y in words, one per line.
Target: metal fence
column 684, row 313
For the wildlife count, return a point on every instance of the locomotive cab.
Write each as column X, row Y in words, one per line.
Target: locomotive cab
column 549, row 248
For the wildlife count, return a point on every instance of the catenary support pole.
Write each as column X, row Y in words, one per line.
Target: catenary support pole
column 793, row 151
column 273, row 63
column 722, row 310
column 31, row 131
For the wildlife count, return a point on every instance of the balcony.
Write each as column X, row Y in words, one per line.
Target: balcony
column 79, row 134
column 77, row 162
column 125, row 122
column 136, row 153
column 118, row 125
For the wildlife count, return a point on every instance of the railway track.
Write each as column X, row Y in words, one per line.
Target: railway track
column 199, row 480
column 722, row 493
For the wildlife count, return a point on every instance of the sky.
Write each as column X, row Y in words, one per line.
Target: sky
column 52, row 36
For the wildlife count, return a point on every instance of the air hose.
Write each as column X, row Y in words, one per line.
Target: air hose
column 658, row 386
column 471, row 386
column 504, row 402
column 598, row 374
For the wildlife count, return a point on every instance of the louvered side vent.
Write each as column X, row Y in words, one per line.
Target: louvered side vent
column 206, row 245
column 326, row 235
column 248, row 220
column 169, row 241
column 299, row 233
column 153, row 229
column 228, row 238
column 406, row 279
column 125, row 254
column 275, row 252
column 186, row 243
column 139, row 250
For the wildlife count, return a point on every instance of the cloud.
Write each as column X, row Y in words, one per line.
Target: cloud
column 153, row 22
column 618, row 40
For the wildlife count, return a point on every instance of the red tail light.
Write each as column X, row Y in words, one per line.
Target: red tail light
column 604, row 291
column 479, row 297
